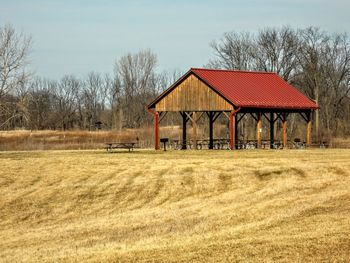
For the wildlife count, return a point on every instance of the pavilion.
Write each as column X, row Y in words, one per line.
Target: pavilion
column 234, row 94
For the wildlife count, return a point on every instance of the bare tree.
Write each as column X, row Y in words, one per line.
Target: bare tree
column 106, row 108
column 337, row 79
column 275, row 51
column 92, row 96
column 136, row 75
column 311, row 58
column 272, row 50
column 65, row 101
column 14, row 49
column 325, row 73
column 113, row 95
column 41, row 101
column 233, row 51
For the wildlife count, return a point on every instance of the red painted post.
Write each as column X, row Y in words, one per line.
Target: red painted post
column 156, row 128
column 308, row 129
column 232, row 130
column 156, row 131
column 258, row 130
column 284, row 130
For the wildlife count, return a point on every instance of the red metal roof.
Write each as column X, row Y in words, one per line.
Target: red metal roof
column 255, row 89
column 249, row 89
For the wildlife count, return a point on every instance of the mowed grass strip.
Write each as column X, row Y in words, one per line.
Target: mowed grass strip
column 175, row 206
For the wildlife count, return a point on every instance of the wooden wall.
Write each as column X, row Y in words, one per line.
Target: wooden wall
column 193, row 95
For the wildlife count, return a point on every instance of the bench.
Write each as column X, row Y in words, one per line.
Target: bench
column 201, row 144
column 121, row 145
column 321, row 144
column 298, row 144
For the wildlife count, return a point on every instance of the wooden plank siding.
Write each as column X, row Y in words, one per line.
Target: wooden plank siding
column 192, row 94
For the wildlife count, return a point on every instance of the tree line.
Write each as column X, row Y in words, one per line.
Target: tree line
column 97, row 101
column 314, row 61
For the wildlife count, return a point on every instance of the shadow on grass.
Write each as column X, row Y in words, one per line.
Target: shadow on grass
column 267, row 175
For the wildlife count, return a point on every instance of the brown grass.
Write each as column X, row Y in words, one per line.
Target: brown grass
column 19, row 140
column 25, row 140
column 59, row 140
column 340, row 143
column 175, row 206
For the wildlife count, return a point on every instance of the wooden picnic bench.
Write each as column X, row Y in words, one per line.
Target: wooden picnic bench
column 121, row 145
column 201, row 144
column 321, row 144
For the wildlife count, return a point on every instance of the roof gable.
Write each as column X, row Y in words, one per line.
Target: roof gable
column 192, row 94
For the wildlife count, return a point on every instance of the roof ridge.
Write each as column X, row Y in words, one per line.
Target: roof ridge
column 240, row 71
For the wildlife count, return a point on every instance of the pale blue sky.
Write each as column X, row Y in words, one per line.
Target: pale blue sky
column 78, row 36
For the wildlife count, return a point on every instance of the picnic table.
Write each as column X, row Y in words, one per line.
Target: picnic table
column 120, row 145
column 201, row 144
column 321, row 144
column 253, row 144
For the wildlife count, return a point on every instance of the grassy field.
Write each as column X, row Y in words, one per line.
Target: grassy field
column 62, row 140
column 194, row 206
column 27, row 140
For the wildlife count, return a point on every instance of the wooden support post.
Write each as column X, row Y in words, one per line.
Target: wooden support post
column 184, row 139
column 194, row 126
column 284, row 130
column 211, row 129
column 272, row 129
column 156, row 128
column 236, row 131
column 258, row 130
column 156, row 131
column 232, row 130
column 308, row 129
column 317, row 125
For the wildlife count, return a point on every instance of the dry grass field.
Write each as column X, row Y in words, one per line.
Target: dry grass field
column 26, row 140
column 19, row 140
column 175, row 206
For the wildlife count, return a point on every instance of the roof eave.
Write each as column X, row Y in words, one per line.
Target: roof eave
column 188, row 73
